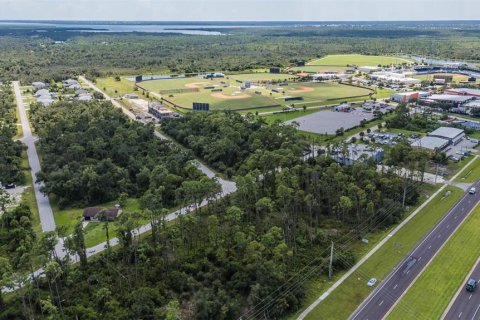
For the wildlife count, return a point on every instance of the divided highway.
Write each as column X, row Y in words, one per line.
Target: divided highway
column 391, row 289
column 466, row 305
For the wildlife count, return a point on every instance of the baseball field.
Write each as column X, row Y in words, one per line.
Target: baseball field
column 227, row 93
column 457, row 78
column 357, row 60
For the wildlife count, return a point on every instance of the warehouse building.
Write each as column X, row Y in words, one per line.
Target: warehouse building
column 452, row 135
column 464, row 92
column 440, row 139
column 456, row 100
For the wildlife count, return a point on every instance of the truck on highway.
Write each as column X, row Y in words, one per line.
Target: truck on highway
column 471, row 285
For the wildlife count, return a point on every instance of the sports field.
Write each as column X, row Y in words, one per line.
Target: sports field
column 357, row 60
column 230, row 98
column 319, row 69
column 457, row 78
column 226, row 93
column 322, row 91
column 252, row 77
column 180, row 83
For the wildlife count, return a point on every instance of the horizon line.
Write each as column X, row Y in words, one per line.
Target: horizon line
column 236, row 21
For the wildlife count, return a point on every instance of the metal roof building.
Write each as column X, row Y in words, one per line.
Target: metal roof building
column 464, row 91
column 448, row 133
column 431, row 143
column 450, row 98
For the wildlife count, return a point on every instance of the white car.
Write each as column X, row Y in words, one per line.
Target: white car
column 472, row 190
column 371, row 282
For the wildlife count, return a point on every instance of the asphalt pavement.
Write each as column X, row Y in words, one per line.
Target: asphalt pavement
column 45, row 210
column 391, row 289
column 466, row 305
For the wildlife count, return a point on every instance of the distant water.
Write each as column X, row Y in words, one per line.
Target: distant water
column 213, row 28
column 116, row 28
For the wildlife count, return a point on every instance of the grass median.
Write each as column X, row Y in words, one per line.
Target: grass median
column 470, row 174
column 348, row 296
column 436, row 287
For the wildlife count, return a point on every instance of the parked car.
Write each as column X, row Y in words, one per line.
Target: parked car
column 10, row 186
column 371, row 282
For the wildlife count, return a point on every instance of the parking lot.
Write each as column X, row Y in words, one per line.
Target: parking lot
column 329, row 121
column 458, row 150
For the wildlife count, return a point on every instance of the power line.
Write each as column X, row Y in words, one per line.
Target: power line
column 375, row 221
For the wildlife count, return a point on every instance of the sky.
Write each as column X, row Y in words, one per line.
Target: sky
column 240, row 10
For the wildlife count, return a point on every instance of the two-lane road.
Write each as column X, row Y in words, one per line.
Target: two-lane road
column 466, row 305
column 391, row 289
column 45, row 210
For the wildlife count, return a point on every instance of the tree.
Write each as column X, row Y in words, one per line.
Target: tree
column 5, row 200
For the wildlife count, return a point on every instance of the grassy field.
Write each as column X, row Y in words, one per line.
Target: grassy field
column 471, row 174
column 230, row 98
column 346, row 298
column 252, row 77
column 323, row 91
column 434, row 289
column 457, row 78
column 319, row 69
column 357, row 60
column 117, row 89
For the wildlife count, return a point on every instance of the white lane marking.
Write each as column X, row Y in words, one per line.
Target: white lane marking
column 429, row 247
column 380, row 303
column 395, row 287
column 448, row 226
column 475, row 314
column 456, row 217
column 408, row 271
column 460, row 314
column 419, row 258
column 470, row 297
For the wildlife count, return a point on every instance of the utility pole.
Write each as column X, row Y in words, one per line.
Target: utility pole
column 331, row 262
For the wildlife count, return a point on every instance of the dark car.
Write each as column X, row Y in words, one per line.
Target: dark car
column 10, row 186
column 471, row 285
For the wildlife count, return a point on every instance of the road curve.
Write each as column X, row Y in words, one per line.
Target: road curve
column 391, row 289
column 466, row 305
column 228, row 187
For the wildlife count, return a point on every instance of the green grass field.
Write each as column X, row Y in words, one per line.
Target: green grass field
column 434, row 289
column 253, row 77
column 346, row 298
column 248, row 99
column 470, row 174
column 357, row 60
column 117, row 89
column 323, row 91
column 315, row 69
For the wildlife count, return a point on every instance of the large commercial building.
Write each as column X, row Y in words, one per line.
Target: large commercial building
column 464, row 92
column 440, row 139
column 406, row 97
column 453, row 99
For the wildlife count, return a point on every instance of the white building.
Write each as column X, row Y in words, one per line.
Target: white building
column 393, row 77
